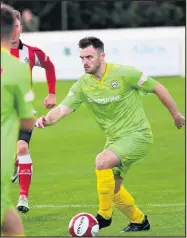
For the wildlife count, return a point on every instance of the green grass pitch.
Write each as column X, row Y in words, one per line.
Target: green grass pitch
column 64, row 181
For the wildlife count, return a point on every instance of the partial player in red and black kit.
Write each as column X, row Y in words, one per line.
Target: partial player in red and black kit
column 34, row 57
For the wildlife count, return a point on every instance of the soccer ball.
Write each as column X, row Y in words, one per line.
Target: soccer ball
column 84, row 225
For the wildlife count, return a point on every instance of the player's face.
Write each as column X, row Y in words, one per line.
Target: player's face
column 16, row 32
column 92, row 59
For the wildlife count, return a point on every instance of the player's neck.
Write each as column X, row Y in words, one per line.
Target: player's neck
column 15, row 45
column 99, row 74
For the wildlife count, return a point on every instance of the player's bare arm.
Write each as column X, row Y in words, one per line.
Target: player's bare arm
column 168, row 101
column 53, row 116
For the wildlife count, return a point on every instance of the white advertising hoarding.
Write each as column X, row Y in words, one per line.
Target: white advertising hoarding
column 157, row 54
column 154, row 57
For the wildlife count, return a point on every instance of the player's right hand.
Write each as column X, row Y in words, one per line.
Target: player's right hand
column 179, row 121
column 40, row 123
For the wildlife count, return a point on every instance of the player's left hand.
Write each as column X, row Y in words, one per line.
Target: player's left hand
column 179, row 121
column 50, row 101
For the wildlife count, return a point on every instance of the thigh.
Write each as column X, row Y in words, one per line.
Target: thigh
column 25, row 135
column 129, row 149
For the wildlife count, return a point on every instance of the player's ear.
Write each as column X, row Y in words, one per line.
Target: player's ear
column 21, row 29
column 103, row 55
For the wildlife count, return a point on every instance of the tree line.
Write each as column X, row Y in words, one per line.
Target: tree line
column 105, row 14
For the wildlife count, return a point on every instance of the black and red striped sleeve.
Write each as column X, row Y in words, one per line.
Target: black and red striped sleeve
column 42, row 60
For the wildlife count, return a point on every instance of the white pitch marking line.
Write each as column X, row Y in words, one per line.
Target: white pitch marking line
column 92, row 205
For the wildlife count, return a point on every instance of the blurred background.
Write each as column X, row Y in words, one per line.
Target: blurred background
column 75, row 15
column 149, row 35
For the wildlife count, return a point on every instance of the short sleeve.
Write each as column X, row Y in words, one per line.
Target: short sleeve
column 139, row 80
column 24, row 96
column 73, row 99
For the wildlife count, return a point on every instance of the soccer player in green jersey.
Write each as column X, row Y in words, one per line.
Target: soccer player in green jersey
column 16, row 108
column 111, row 93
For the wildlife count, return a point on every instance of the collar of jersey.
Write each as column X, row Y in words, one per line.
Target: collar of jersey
column 100, row 82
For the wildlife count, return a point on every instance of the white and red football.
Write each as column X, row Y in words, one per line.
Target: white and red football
column 83, row 225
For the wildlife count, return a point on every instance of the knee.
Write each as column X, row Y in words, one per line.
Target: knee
column 22, row 148
column 106, row 160
column 101, row 161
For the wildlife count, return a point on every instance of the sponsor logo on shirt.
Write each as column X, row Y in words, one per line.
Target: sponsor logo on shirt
column 105, row 100
column 114, row 84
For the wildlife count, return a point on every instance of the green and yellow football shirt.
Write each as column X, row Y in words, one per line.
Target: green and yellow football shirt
column 114, row 101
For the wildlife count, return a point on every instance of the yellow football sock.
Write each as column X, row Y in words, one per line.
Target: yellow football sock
column 105, row 188
column 125, row 203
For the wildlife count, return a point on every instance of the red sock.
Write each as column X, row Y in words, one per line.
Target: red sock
column 25, row 173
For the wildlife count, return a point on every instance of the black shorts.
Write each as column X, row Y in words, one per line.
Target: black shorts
column 25, row 136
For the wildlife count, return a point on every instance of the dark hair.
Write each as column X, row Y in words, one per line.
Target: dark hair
column 91, row 41
column 7, row 21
